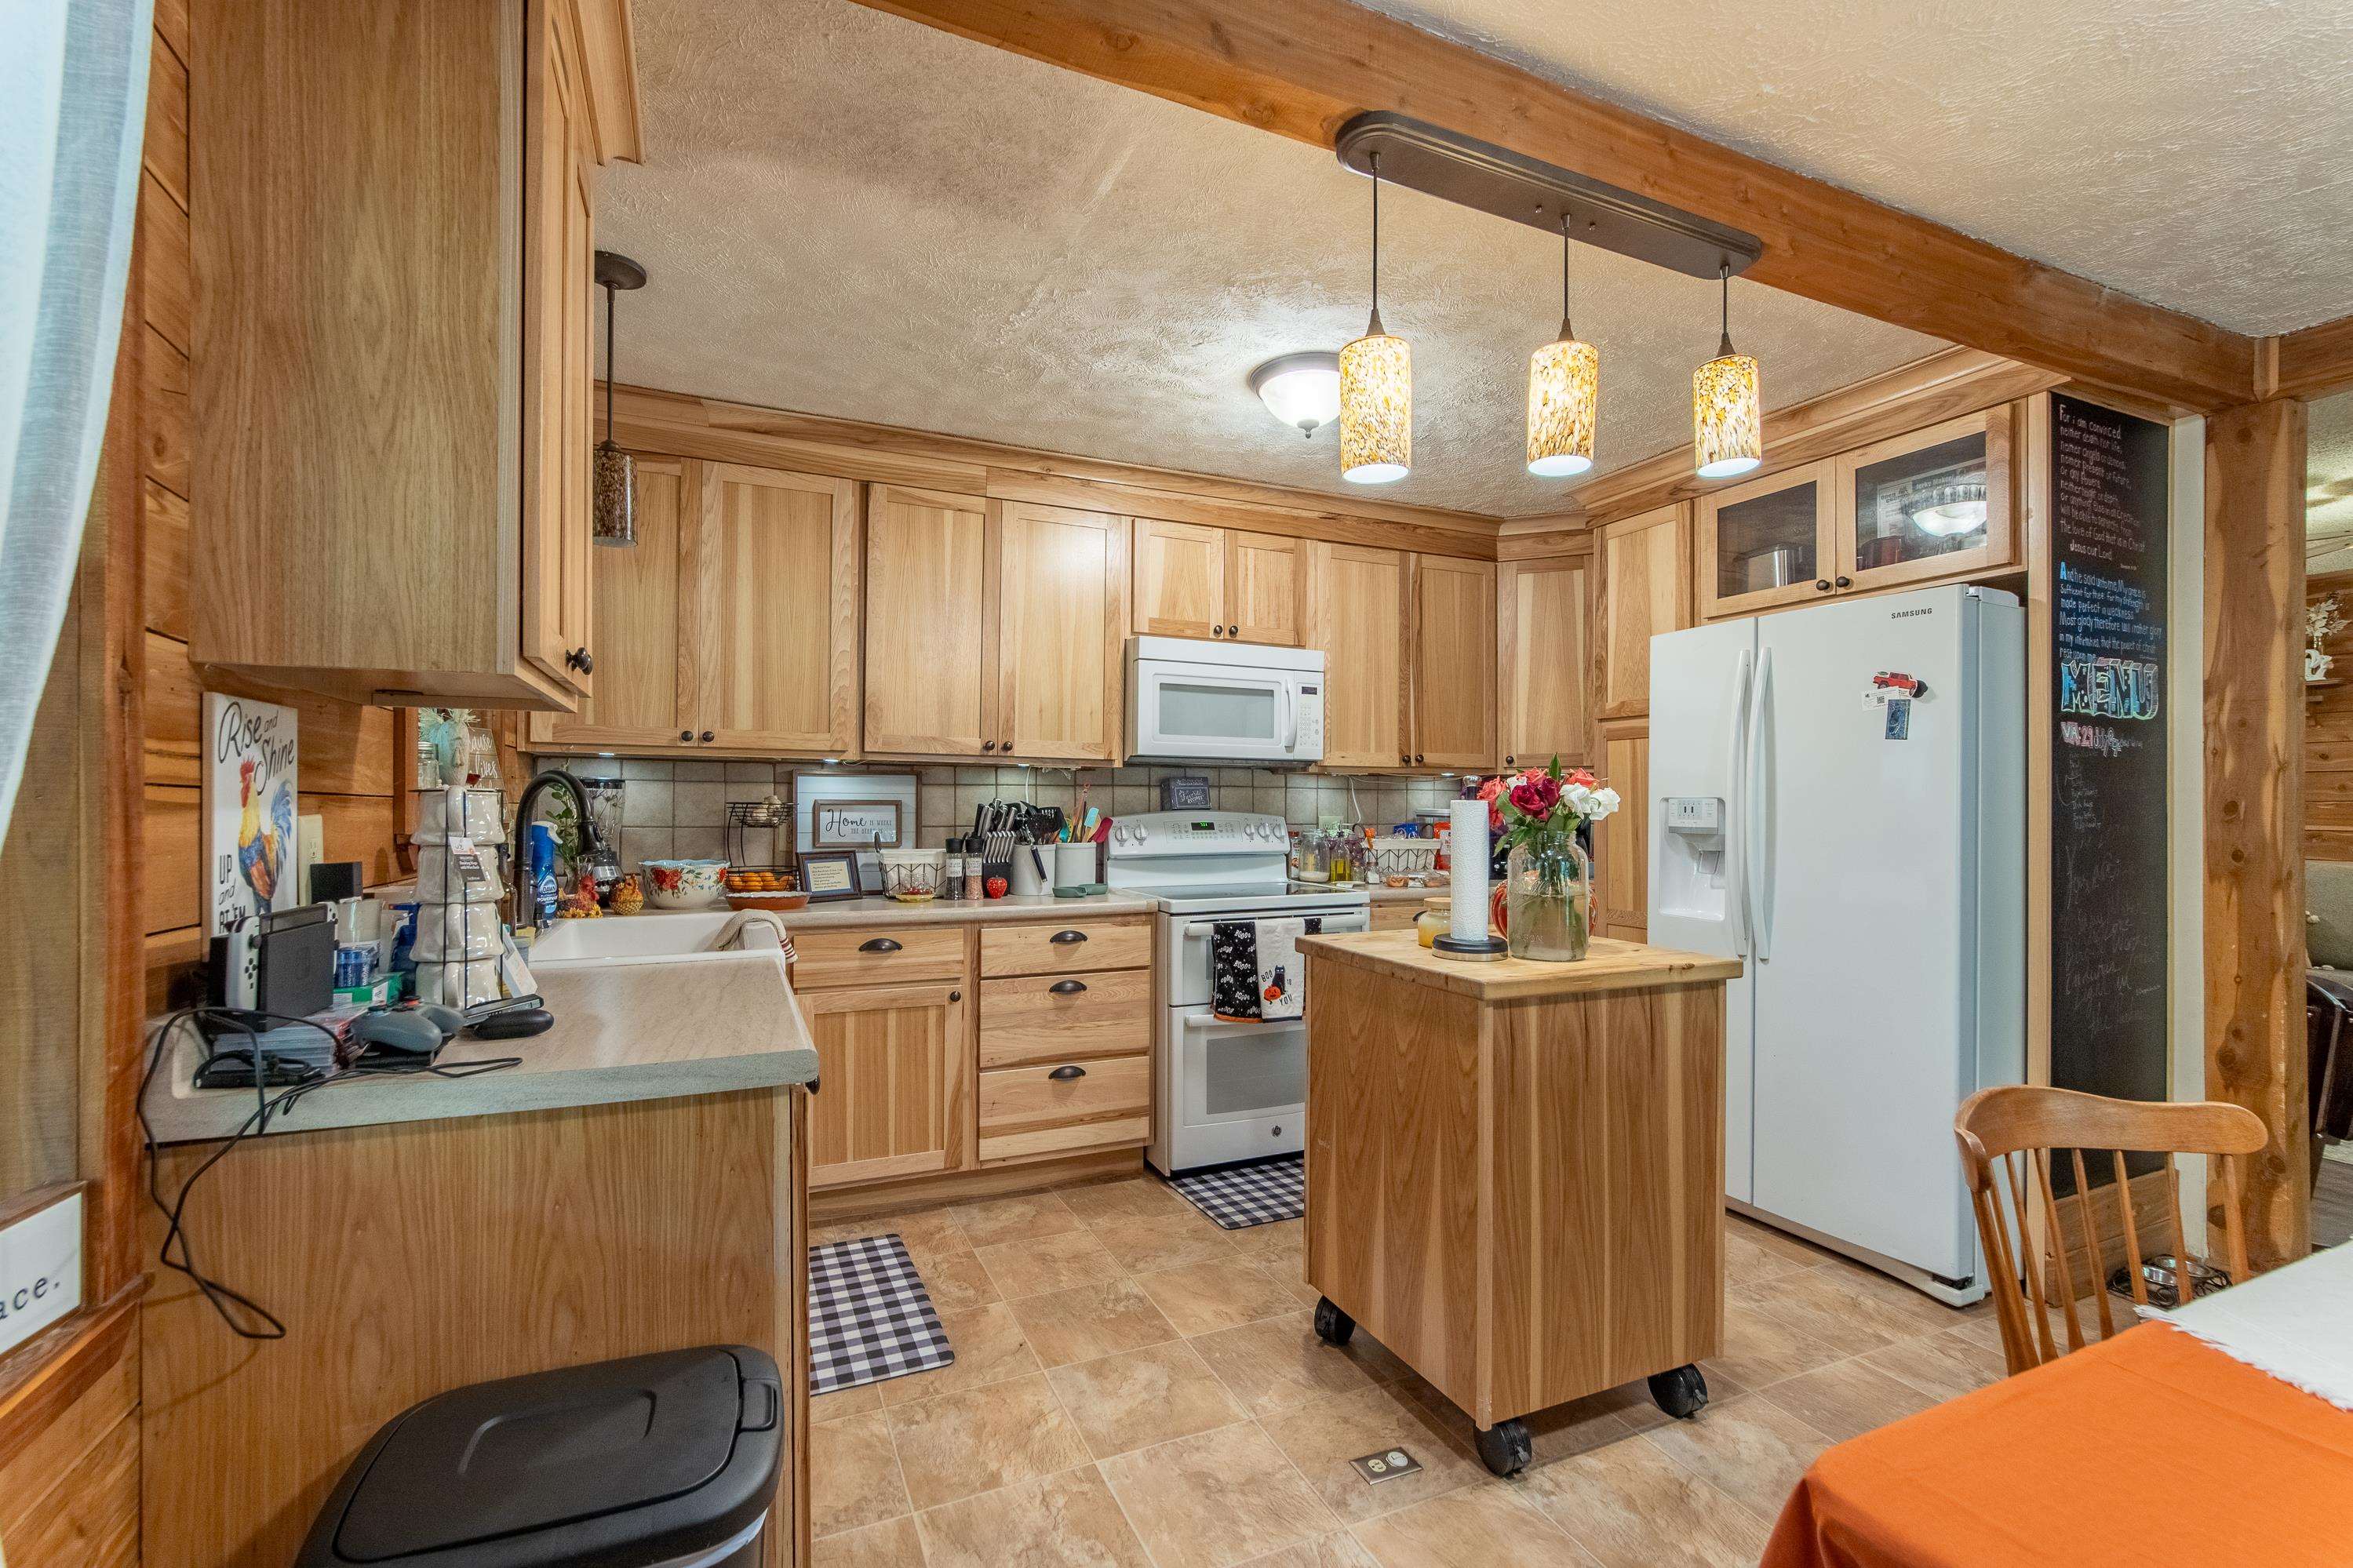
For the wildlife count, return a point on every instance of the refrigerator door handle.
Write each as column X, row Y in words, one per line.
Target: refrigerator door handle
column 1737, row 841
column 1755, row 896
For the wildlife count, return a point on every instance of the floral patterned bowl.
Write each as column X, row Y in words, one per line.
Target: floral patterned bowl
column 684, row 884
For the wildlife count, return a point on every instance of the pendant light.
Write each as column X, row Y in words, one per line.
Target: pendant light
column 1375, row 388
column 615, row 516
column 1564, row 392
column 1727, row 429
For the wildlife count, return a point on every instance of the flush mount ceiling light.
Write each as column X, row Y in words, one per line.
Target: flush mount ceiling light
column 1375, row 388
column 1948, row 510
column 616, row 517
column 1564, row 394
column 1728, row 426
column 1303, row 390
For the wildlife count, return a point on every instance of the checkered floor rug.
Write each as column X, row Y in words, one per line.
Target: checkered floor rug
column 1239, row 1196
column 870, row 1315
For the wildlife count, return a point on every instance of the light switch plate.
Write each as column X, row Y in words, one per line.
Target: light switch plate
column 1387, row 1466
column 40, row 1270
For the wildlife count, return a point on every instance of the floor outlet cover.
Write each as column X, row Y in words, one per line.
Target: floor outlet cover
column 1387, row 1466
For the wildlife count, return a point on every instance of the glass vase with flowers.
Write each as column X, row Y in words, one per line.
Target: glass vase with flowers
column 1548, row 879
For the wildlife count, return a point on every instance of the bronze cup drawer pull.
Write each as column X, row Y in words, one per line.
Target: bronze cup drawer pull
column 1067, row 987
column 1066, row 938
column 1065, row 1074
column 878, row 945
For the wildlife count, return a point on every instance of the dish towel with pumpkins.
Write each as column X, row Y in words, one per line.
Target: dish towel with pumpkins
column 1256, row 975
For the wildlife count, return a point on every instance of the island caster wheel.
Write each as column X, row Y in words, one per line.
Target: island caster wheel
column 1333, row 1326
column 1682, row 1393
column 1504, row 1447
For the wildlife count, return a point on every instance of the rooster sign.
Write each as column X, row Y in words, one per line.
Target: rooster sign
column 250, row 795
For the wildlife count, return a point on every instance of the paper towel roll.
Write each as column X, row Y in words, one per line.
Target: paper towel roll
column 1468, row 857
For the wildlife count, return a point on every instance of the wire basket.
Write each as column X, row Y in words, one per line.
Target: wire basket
column 1407, row 859
column 746, row 820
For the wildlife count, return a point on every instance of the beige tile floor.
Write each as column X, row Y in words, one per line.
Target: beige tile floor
column 1136, row 1388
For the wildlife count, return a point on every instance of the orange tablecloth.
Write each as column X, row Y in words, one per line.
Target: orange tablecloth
column 2148, row 1448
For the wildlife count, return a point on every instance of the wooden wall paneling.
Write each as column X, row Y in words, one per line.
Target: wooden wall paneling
column 550, row 1238
column 1303, row 69
column 164, row 562
column 163, row 272
column 172, row 25
column 930, row 634
column 2329, row 735
column 70, row 1442
column 164, row 153
column 2255, row 867
column 357, row 828
column 173, row 853
column 163, row 409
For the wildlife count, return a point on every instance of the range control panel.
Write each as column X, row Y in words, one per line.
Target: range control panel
column 1197, row 833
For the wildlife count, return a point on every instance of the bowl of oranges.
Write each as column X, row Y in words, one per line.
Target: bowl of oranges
column 752, row 887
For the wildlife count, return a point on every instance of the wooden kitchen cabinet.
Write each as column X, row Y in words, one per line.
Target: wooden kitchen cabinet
column 1646, row 589
column 931, row 644
column 1195, row 581
column 1768, row 542
column 1543, row 660
column 1930, row 506
column 1621, row 848
column 395, row 478
column 732, row 624
column 1451, row 717
column 1356, row 612
column 894, row 1075
column 1061, row 613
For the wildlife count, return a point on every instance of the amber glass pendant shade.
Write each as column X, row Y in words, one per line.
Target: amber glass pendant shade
column 617, row 496
column 1563, row 396
column 1727, row 429
column 1376, row 408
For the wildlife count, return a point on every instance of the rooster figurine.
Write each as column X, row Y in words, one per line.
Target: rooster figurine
column 261, row 853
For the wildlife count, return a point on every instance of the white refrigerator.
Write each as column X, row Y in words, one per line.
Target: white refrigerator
column 1838, row 797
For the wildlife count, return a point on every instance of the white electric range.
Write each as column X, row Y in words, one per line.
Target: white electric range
column 1222, row 1091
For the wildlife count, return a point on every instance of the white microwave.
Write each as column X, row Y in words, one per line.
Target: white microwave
column 1223, row 701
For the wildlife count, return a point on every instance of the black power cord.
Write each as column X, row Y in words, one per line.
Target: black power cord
column 258, row 1321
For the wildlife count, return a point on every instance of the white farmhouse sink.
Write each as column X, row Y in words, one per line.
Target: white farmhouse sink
column 643, row 936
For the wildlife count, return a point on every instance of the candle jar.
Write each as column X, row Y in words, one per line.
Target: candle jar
column 1550, row 897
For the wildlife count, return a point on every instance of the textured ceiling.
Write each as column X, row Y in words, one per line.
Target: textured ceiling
column 848, row 214
column 2193, row 153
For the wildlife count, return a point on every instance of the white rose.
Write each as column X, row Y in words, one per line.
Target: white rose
column 1605, row 802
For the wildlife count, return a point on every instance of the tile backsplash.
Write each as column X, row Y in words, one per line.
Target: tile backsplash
column 680, row 807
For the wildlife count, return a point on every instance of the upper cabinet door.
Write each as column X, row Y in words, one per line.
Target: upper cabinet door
column 1265, row 583
column 1543, row 640
column 1932, row 504
column 1355, row 613
column 1453, row 663
column 931, row 643
column 1180, row 579
column 771, row 633
column 1646, row 589
column 637, row 700
column 1062, row 605
column 559, row 274
column 1770, row 541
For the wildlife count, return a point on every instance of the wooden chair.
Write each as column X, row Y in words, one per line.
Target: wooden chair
column 2008, row 1132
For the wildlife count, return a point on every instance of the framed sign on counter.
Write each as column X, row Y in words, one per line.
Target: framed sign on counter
column 2110, row 904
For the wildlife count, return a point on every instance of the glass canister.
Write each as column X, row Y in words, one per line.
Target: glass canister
column 1436, row 915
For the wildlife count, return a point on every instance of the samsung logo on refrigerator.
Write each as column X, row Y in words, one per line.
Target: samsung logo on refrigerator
column 1907, row 614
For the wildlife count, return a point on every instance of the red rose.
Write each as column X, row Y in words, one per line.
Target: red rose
column 1536, row 797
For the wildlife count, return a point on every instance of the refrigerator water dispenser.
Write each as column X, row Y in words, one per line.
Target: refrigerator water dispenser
column 1690, row 857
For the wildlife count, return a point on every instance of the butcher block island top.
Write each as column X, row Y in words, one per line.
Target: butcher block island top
column 1610, row 966
column 1516, row 1170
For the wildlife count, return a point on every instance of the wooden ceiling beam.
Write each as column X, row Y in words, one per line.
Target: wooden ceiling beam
column 2310, row 363
column 1303, row 69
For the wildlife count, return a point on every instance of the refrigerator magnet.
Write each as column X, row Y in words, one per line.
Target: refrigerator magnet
column 1899, row 719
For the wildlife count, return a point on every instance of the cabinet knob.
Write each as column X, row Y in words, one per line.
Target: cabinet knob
column 1216, row 631
column 686, row 734
column 1067, row 987
column 1417, row 756
column 1510, row 760
column 1233, row 631
column 988, row 745
column 1822, row 585
column 1846, row 582
column 708, row 736
column 1066, row 938
column 878, row 945
column 955, row 995
column 581, row 659
column 1066, row 1073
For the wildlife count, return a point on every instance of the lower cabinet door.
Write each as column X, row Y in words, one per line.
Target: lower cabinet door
column 1065, row 1108
column 894, row 1082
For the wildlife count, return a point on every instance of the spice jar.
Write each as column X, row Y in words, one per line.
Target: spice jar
column 1436, row 915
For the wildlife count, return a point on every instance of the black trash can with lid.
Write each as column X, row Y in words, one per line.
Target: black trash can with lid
column 656, row 1461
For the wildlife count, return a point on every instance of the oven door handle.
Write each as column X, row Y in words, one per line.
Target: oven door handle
column 1334, row 925
column 1247, row 1027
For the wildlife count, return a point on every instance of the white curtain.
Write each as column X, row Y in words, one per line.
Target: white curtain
column 73, row 104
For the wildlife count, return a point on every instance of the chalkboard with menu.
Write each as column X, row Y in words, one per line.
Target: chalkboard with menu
column 2108, row 887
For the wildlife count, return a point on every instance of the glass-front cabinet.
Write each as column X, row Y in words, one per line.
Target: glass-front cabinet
column 1768, row 541
column 1929, row 506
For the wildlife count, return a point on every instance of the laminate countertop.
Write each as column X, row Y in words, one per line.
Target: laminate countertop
column 1609, row 966
column 625, row 1029
column 838, row 912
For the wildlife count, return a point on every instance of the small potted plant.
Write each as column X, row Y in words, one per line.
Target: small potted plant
column 1548, row 879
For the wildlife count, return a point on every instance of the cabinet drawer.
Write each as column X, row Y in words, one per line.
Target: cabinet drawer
column 1027, row 1110
column 1061, row 947
column 877, row 956
column 1041, row 1018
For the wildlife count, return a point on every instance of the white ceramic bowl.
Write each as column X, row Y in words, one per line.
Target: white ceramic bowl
column 684, row 884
